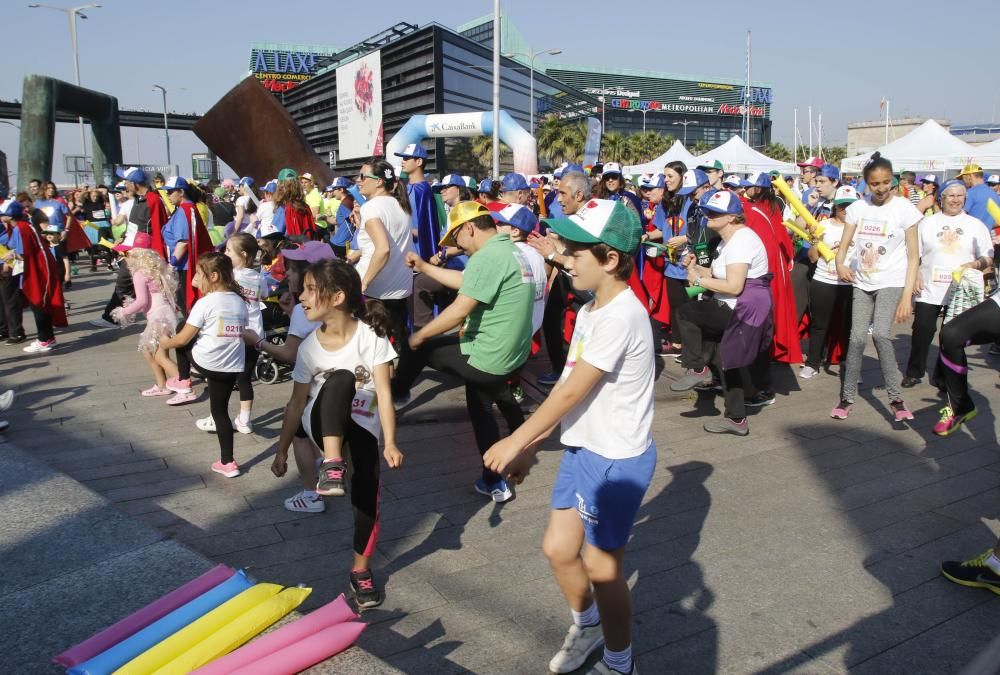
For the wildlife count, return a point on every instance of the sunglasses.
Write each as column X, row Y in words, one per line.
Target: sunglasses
column 362, row 176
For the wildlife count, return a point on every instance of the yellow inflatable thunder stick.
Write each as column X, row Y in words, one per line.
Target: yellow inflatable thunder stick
column 994, row 210
column 815, row 228
column 105, row 243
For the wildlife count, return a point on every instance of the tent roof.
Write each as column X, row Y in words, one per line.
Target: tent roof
column 929, row 147
column 738, row 157
column 676, row 153
column 986, row 156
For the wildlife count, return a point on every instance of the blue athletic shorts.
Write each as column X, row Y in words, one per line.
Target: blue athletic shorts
column 605, row 492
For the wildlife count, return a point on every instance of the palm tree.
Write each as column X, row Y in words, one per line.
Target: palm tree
column 778, row 151
column 700, row 148
column 482, row 150
column 614, row 147
column 834, row 154
column 646, row 145
column 560, row 142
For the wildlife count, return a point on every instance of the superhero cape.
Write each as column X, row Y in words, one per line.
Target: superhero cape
column 76, row 238
column 40, row 282
column 299, row 224
column 157, row 219
column 199, row 242
column 442, row 213
column 765, row 221
column 424, row 219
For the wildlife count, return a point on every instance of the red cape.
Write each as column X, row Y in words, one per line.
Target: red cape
column 157, row 219
column 199, row 242
column 299, row 224
column 41, row 282
column 765, row 220
column 76, row 238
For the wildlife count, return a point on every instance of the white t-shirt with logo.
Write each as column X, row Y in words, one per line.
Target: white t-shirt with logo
column 880, row 241
column 826, row 272
column 615, row 418
column 395, row 280
column 251, row 281
column 221, row 317
column 265, row 216
column 537, row 264
column 947, row 243
column 360, row 355
column 743, row 247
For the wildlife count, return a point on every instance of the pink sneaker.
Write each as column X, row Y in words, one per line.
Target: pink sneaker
column 156, row 391
column 179, row 386
column 842, row 410
column 900, row 412
column 181, row 399
column 230, row 470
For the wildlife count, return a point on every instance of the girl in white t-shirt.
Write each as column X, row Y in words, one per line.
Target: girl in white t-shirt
column 342, row 398
column 882, row 228
column 241, row 249
column 211, row 340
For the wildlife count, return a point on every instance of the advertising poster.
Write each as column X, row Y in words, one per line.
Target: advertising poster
column 359, row 107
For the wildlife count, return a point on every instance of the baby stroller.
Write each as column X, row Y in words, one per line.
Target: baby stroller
column 267, row 370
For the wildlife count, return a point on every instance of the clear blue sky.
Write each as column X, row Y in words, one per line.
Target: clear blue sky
column 841, row 59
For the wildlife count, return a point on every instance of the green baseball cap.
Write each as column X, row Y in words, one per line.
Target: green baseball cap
column 601, row 221
column 287, row 174
column 714, row 165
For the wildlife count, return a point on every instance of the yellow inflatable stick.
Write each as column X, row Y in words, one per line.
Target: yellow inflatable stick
column 105, row 243
column 994, row 210
column 823, row 249
column 793, row 201
column 236, row 632
column 195, row 632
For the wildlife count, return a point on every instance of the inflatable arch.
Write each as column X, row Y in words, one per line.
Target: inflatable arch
column 455, row 125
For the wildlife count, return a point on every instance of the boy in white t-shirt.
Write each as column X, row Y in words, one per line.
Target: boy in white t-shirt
column 518, row 221
column 606, row 468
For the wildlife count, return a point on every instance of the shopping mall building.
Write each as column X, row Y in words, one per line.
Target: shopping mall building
column 408, row 70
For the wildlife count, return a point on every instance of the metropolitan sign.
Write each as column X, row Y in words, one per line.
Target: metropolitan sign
column 359, row 107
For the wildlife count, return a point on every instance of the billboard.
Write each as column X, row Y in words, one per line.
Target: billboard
column 280, row 68
column 359, row 107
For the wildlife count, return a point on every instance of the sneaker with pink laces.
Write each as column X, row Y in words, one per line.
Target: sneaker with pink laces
column 331, row 478
column 366, row 592
column 230, row 470
column 181, row 399
column 156, row 391
column 179, row 386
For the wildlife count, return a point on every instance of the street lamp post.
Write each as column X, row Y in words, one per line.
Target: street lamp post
column 644, row 113
column 686, row 123
column 531, row 78
column 72, row 13
column 166, row 128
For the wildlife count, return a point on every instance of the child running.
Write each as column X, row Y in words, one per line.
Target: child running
column 155, row 285
column 606, row 468
column 342, row 398
column 212, row 341
column 241, row 249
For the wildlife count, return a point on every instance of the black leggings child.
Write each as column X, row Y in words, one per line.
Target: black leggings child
column 220, row 389
column 331, row 416
column 244, row 380
column 975, row 326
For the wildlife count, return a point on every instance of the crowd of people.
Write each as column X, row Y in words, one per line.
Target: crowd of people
column 377, row 277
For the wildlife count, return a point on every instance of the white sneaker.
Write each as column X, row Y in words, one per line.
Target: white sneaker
column 38, row 346
column 241, row 427
column 6, row 399
column 300, row 503
column 579, row 644
column 100, row 322
column 808, row 372
column 205, row 423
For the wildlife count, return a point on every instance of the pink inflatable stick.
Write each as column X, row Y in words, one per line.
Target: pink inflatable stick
column 300, row 655
column 141, row 618
column 328, row 615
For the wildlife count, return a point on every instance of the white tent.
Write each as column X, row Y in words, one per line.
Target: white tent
column 676, row 153
column 929, row 147
column 738, row 157
column 986, row 156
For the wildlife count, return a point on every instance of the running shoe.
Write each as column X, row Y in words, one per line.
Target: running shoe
column 366, row 593
column 499, row 492
column 580, row 643
column 808, row 372
column 602, row 668
column 181, row 399
column 179, row 386
column 331, row 478
column 156, row 391
column 669, row 350
column 15, row 340
column 205, row 424
column 7, row 399
column 302, row 503
column 950, row 422
column 973, row 573
column 690, row 379
column 231, row 470
column 39, row 346
column 760, row 399
column 726, row 425
column 715, row 386
column 101, row 322
column 842, row 410
column 910, row 382
column 242, row 427
column 547, row 380
column 899, row 410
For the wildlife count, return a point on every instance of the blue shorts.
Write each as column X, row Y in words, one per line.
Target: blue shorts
column 605, row 492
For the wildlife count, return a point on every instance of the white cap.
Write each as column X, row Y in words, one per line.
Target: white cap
column 994, row 179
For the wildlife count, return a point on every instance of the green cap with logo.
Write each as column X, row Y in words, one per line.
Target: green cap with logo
column 601, row 221
column 714, row 165
column 287, row 174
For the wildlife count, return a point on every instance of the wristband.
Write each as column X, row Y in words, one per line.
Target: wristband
column 260, row 343
column 550, row 257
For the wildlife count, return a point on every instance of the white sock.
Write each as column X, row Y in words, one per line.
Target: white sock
column 588, row 617
column 620, row 661
column 993, row 563
column 244, row 416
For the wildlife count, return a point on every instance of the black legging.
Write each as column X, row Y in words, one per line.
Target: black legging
column 220, row 390
column 245, row 379
column 925, row 318
column 975, row 326
column 482, row 390
column 552, row 323
column 827, row 304
column 398, row 314
column 677, row 297
column 123, row 288
column 11, row 321
column 331, row 416
column 44, row 324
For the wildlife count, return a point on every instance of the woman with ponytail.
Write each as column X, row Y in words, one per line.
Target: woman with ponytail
column 342, row 400
column 384, row 238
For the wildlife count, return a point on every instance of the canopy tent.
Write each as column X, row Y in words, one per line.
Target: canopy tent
column 929, row 147
column 986, row 156
column 738, row 157
column 676, row 153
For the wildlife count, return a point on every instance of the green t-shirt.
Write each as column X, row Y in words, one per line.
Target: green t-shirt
column 314, row 200
column 496, row 336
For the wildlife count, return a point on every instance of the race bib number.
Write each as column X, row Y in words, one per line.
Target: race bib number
column 230, row 327
column 873, row 229
column 364, row 405
column 941, row 275
column 250, row 293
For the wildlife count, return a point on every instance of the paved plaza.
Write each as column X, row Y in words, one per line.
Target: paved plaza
column 810, row 546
